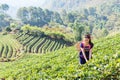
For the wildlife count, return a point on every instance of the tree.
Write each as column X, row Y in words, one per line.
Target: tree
column 36, row 16
column 86, row 12
column 105, row 32
column 78, row 30
column 4, row 7
column 4, row 17
column 64, row 16
column 71, row 18
column 13, row 25
column 92, row 11
column 48, row 15
column 57, row 18
column 4, row 20
column 8, row 29
column 23, row 15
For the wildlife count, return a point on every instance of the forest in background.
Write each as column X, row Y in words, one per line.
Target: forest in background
column 99, row 20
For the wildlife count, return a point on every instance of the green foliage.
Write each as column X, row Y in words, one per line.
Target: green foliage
column 4, row 20
column 79, row 29
column 4, row 33
column 35, row 16
column 9, row 49
column 98, row 33
column 4, row 7
column 102, row 16
column 4, row 17
column 41, row 44
column 53, row 32
column 63, row 64
column 13, row 25
column 8, row 29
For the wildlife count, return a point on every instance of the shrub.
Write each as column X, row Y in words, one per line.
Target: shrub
column 8, row 29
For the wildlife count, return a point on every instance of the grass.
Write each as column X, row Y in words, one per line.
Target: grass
column 64, row 64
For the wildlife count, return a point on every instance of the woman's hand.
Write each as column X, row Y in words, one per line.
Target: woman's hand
column 86, row 60
column 90, row 53
column 84, row 54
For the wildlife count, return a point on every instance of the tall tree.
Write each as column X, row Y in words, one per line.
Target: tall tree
column 4, row 7
column 4, row 17
column 78, row 30
column 36, row 16
column 23, row 15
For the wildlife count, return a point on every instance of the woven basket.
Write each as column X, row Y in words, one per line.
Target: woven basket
column 77, row 45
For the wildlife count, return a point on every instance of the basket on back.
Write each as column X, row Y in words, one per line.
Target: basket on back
column 77, row 45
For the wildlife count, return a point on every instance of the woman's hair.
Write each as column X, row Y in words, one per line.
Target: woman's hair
column 89, row 37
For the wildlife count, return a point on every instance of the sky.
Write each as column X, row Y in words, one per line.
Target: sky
column 14, row 5
column 23, row 2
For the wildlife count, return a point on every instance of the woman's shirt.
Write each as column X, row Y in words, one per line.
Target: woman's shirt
column 86, row 49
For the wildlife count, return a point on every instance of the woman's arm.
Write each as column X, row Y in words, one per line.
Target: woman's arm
column 84, row 54
column 90, row 53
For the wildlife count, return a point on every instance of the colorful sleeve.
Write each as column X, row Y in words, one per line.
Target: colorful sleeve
column 81, row 45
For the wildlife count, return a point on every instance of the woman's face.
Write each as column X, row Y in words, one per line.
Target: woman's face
column 86, row 40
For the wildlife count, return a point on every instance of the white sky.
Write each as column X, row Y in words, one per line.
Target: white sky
column 16, row 4
column 22, row 2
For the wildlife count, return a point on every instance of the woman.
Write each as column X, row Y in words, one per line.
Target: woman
column 85, row 49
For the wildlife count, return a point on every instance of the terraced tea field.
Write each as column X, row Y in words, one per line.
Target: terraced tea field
column 64, row 64
column 9, row 47
column 39, row 44
column 12, row 46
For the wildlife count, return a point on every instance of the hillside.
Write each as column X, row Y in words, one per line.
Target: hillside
column 71, row 5
column 63, row 64
column 13, row 46
column 50, row 4
column 9, row 48
column 100, row 18
column 33, row 44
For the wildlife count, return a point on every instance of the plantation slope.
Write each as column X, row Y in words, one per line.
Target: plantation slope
column 9, row 47
column 63, row 64
column 40, row 44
